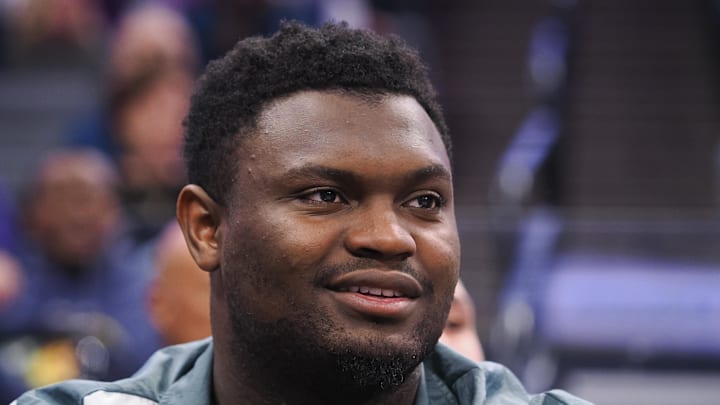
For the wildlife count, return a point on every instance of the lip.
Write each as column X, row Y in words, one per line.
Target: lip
column 378, row 294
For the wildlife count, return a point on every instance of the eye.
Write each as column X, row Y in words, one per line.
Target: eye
column 325, row 195
column 426, row 202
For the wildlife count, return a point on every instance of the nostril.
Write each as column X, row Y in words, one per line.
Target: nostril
column 380, row 255
column 367, row 252
column 379, row 234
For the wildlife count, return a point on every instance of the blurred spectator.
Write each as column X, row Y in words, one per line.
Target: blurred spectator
column 153, row 62
column 72, row 210
column 151, row 37
column 9, row 278
column 148, row 128
column 460, row 332
column 53, row 32
column 79, row 311
column 9, row 267
column 179, row 296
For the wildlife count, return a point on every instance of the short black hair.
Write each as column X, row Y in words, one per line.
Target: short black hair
column 235, row 88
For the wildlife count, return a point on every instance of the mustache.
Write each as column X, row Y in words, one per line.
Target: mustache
column 327, row 273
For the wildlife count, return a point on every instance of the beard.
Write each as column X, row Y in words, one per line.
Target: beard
column 307, row 352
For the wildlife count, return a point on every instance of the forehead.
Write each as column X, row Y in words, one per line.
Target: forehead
column 347, row 129
column 73, row 172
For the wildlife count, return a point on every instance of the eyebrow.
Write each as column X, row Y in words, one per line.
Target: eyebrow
column 435, row 171
column 323, row 173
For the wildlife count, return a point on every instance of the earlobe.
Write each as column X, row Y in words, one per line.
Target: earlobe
column 199, row 217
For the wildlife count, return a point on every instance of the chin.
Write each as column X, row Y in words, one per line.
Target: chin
column 378, row 342
column 379, row 363
column 360, row 358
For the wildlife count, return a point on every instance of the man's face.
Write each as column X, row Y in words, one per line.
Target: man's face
column 338, row 240
column 149, row 131
column 74, row 211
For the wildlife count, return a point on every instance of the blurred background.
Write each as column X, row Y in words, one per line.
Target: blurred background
column 587, row 165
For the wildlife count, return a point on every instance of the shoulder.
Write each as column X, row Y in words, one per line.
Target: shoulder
column 176, row 370
column 453, row 379
column 85, row 392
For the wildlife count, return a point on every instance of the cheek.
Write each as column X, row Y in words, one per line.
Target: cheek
column 275, row 253
column 441, row 253
column 303, row 243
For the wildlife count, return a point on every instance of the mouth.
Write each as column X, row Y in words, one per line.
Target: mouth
column 376, row 294
column 373, row 291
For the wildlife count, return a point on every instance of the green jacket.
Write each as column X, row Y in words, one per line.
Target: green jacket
column 181, row 375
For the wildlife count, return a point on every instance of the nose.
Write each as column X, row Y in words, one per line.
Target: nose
column 379, row 234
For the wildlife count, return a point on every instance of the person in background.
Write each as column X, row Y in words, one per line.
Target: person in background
column 321, row 205
column 179, row 295
column 460, row 332
column 52, row 33
column 10, row 278
column 151, row 35
column 152, row 64
column 9, row 266
column 79, row 309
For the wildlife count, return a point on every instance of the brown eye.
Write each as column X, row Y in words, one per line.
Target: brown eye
column 327, row 195
column 425, row 201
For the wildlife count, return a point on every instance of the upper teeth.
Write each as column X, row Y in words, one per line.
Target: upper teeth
column 381, row 292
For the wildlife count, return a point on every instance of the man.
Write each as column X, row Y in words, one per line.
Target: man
column 321, row 204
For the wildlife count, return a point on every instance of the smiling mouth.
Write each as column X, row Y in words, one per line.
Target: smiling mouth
column 373, row 291
column 378, row 295
column 377, row 283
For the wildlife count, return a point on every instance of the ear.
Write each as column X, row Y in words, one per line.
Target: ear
column 199, row 217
